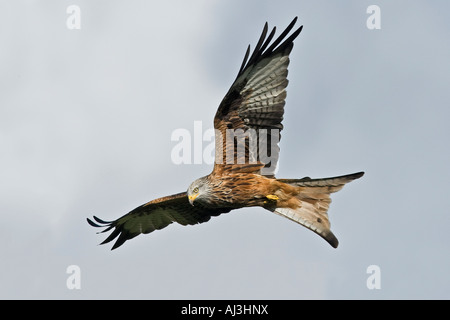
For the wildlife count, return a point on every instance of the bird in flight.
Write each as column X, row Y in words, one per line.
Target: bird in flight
column 247, row 126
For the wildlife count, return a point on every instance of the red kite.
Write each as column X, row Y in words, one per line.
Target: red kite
column 254, row 107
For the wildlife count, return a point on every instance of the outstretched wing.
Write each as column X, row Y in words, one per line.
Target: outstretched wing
column 252, row 111
column 155, row 215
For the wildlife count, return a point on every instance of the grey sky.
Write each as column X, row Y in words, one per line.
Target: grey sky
column 86, row 118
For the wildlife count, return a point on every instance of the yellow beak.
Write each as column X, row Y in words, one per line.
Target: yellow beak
column 192, row 198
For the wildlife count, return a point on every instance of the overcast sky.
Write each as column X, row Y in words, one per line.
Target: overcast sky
column 86, row 117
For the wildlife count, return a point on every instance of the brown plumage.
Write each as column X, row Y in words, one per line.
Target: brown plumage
column 247, row 125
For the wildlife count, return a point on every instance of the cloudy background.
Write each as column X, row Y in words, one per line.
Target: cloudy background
column 86, row 118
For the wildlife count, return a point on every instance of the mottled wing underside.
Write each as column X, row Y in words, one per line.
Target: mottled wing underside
column 155, row 215
column 255, row 104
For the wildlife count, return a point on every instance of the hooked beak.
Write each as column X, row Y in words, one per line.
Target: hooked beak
column 192, row 198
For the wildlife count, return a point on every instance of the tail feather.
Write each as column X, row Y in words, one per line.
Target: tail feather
column 323, row 182
column 315, row 201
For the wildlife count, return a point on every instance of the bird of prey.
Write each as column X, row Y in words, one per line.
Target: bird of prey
column 247, row 121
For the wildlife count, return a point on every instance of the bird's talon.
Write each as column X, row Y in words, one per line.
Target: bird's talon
column 272, row 197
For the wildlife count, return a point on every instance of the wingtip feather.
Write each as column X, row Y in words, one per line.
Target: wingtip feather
column 101, row 221
column 92, row 223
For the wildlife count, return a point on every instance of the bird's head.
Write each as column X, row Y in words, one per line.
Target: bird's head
column 199, row 191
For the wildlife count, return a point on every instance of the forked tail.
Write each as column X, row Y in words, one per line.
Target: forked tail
column 315, row 200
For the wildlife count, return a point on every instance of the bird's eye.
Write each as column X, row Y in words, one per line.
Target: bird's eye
column 195, row 190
